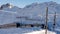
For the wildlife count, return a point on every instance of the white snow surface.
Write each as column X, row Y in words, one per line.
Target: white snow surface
column 41, row 32
column 34, row 30
column 18, row 30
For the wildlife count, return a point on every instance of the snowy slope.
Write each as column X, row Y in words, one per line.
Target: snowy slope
column 7, row 17
column 33, row 11
column 38, row 10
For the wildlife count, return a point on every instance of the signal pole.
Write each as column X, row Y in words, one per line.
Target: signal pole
column 46, row 25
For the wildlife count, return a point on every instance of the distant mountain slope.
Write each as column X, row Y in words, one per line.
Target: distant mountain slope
column 35, row 11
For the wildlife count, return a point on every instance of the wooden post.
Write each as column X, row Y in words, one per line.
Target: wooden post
column 54, row 21
column 46, row 25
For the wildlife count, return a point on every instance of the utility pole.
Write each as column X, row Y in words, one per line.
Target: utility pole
column 46, row 25
column 54, row 21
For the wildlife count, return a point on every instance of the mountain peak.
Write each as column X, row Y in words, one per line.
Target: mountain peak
column 51, row 3
column 32, row 5
column 8, row 5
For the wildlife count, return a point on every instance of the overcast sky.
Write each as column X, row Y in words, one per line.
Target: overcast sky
column 22, row 3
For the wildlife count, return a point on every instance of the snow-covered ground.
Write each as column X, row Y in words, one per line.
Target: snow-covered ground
column 41, row 32
column 18, row 30
column 33, row 30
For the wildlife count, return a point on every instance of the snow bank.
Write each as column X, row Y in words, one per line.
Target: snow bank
column 41, row 32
